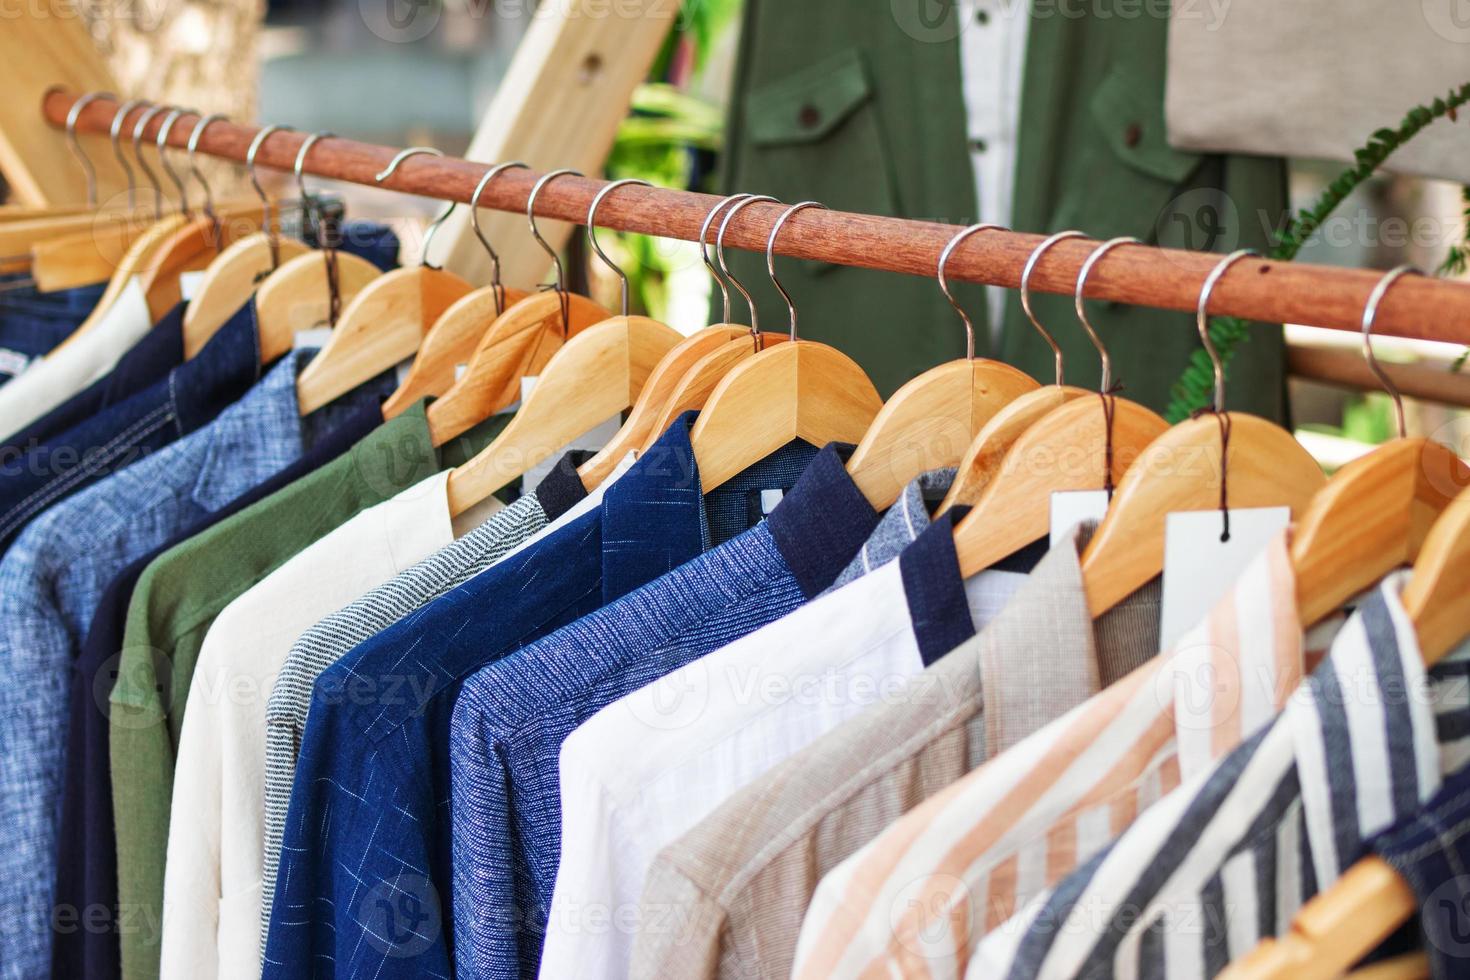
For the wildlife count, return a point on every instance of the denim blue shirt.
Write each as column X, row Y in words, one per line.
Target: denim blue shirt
column 33, row 323
column 51, row 580
column 179, row 403
column 513, row 715
column 362, row 888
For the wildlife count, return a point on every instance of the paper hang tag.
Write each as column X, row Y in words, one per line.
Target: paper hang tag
column 1072, row 507
column 189, row 284
column 313, row 338
column 459, row 370
column 592, row 440
column 1199, row 568
column 401, row 371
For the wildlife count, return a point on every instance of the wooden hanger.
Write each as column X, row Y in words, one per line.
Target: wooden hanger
column 1080, row 445
column 931, row 421
column 796, row 390
column 231, row 279
column 520, row 343
column 1262, row 466
column 983, row 457
column 385, row 323
column 455, row 335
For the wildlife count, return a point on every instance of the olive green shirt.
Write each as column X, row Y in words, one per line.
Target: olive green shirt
column 861, row 107
column 173, row 605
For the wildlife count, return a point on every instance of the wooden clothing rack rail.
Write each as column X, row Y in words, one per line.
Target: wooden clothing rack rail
column 1261, row 290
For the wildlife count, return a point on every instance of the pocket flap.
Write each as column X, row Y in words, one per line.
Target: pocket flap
column 1131, row 117
column 806, row 106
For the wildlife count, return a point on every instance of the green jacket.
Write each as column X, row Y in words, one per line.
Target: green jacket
column 859, row 106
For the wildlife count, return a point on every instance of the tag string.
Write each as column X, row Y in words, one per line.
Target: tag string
column 1224, row 419
column 1110, row 411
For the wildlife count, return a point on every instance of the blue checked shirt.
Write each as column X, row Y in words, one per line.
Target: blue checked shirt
column 513, row 715
column 51, row 580
column 186, row 398
column 362, row 889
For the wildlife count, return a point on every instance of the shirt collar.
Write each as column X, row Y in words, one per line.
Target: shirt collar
column 938, row 605
column 220, row 373
column 823, row 521
column 561, row 489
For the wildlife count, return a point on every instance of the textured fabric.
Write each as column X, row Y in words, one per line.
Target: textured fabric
column 66, row 371
column 985, row 845
column 173, row 605
column 1231, row 856
column 86, row 877
column 727, row 898
column 1431, row 850
column 212, row 878
column 513, row 716
column 185, row 399
column 159, row 352
column 33, row 323
column 50, row 582
column 365, row 861
column 559, row 498
column 900, row 525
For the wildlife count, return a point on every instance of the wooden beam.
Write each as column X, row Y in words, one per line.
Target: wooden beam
column 1347, row 369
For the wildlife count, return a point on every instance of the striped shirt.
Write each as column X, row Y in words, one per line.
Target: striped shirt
column 1231, row 857
column 918, row 899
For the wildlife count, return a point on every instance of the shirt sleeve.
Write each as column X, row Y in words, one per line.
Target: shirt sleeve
column 681, row 929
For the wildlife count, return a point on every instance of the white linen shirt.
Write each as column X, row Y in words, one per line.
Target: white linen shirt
column 212, row 879
column 69, row 369
column 644, row 770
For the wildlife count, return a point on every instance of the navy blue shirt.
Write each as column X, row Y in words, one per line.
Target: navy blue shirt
column 33, row 323
column 86, row 878
column 363, row 886
column 188, row 398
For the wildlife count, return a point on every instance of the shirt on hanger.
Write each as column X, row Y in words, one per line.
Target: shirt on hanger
column 50, row 581
column 557, row 500
column 732, row 891
column 86, row 854
column 900, row 524
column 982, row 847
column 645, row 770
column 365, row 861
column 512, row 716
column 1230, row 857
column 212, row 878
column 66, row 371
column 176, row 601
column 33, row 323
column 187, row 397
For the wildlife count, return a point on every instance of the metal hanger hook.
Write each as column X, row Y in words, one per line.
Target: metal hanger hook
column 771, row 262
column 490, row 175
column 168, row 124
column 76, row 145
column 725, row 268
column 944, row 283
column 1202, row 319
column 1370, row 313
column 193, row 148
column 592, row 228
column 1026, row 271
column 138, row 128
column 270, row 229
column 299, row 168
column 1082, row 274
column 115, row 134
column 714, row 273
column 433, row 228
column 561, row 287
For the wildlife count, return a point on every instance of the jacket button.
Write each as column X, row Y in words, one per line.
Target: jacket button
column 808, row 116
column 1132, row 135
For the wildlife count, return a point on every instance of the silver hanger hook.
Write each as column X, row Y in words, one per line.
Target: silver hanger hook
column 592, row 226
column 298, row 169
column 163, row 131
column 944, row 283
column 561, row 288
column 433, row 228
column 270, row 229
column 1030, row 266
column 76, row 146
column 1202, row 320
column 714, row 273
column 1370, row 313
column 725, row 268
column 771, row 262
column 193, row 148
column 138, row 128
column 1082, row 274
column 490, row 175
column 114, row 134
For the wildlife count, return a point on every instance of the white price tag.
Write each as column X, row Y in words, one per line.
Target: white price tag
column 314, row 338
column 189, row 284
column 1071, row 507
column 1199, row 567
